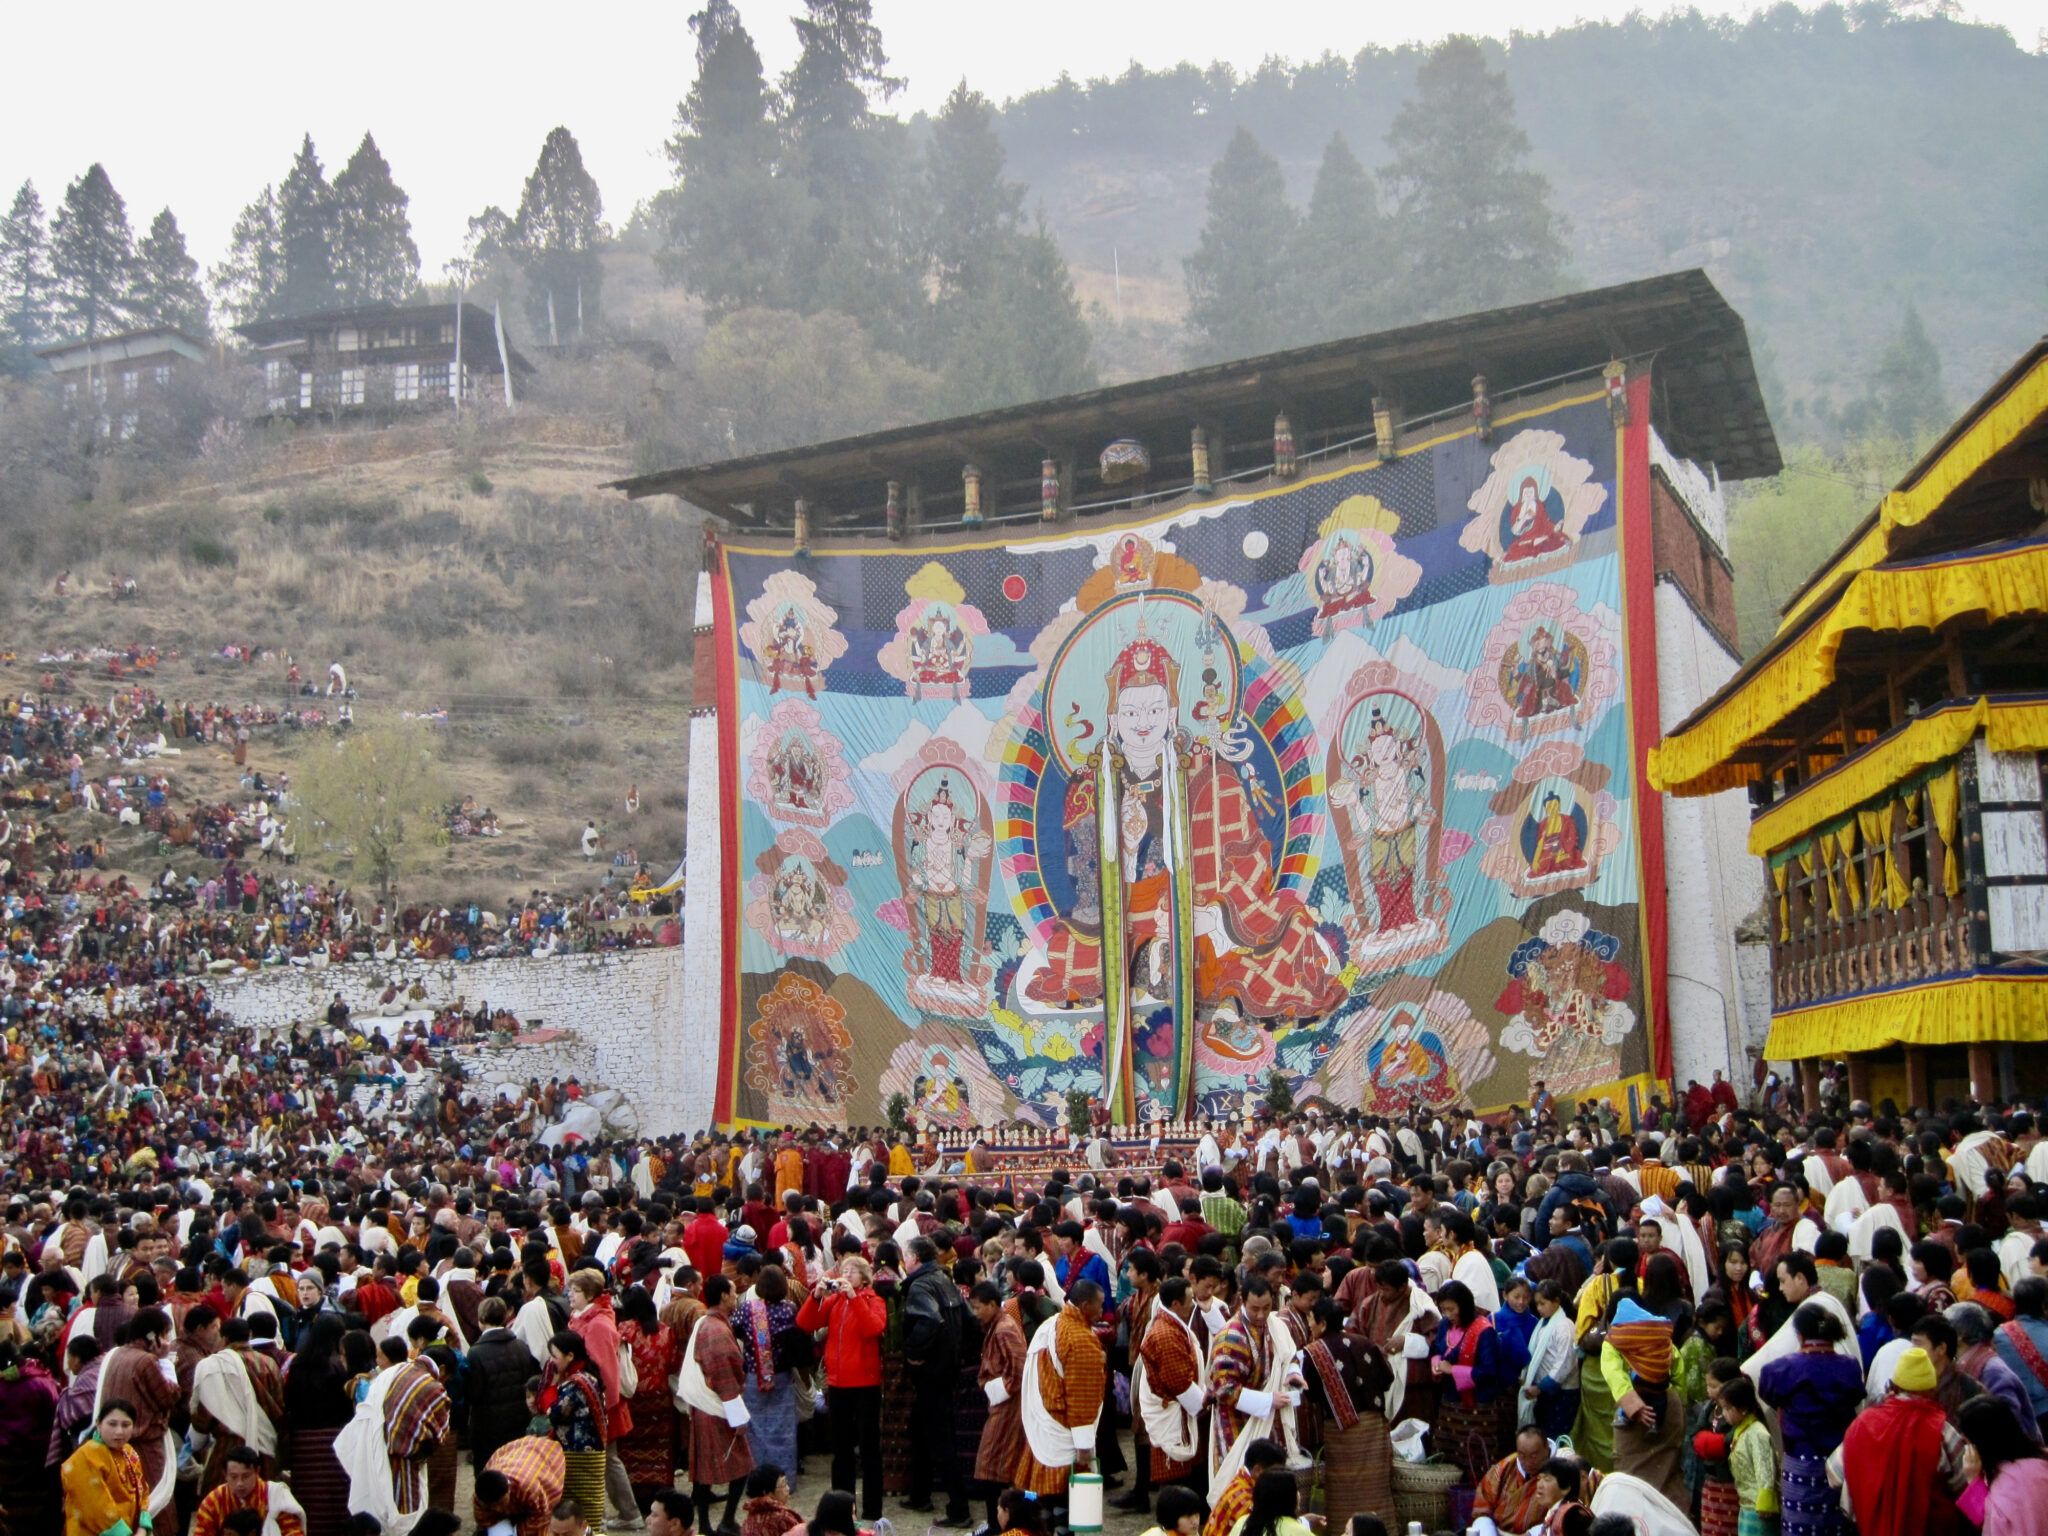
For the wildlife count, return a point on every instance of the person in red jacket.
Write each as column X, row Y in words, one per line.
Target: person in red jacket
column 853, row 1318
column 592, row 1320
column 704, row 1240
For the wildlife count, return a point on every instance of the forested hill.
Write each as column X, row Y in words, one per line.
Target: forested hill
column 1827, row 168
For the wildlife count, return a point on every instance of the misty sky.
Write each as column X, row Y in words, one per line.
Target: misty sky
column 200, row 113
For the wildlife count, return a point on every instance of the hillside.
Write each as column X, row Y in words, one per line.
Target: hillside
column 476, row 570
column 1826, row 168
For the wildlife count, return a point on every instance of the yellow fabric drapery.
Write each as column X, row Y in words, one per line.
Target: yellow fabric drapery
column 1805, row 858
column 1876, row 827
column 1953, row 1012
column 1781, row 876
column 1830, row 849
column 1998, row 584
column 1991, row 433
column 2010, row 725
column 1845, row 835
column 1944, row 795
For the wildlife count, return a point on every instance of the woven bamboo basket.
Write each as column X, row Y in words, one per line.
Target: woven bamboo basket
column 1422, row 1491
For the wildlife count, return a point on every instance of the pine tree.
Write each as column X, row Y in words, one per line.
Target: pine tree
column 248, row 280
column 1238, row 303
column 167, row 290
column 975, row 213
column 1007, row 326
column 1025, row 339
column 92, row 258
column 1910, row 399
column 306, row 237
column 376, row 261
column 1473, row 226
column 1337, row 264
column 856, row 249
column 24, row 277
column 729, row 221
column 557, row 235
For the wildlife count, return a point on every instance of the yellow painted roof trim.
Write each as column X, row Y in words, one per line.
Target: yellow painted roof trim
column 1998, row 583
column 1995, row 428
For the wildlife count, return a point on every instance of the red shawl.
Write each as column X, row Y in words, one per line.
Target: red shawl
column 1892, row 1456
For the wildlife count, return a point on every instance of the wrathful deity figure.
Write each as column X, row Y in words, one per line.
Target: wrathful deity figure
column 791, row 654
column 1256, row 950
column 1544, row 680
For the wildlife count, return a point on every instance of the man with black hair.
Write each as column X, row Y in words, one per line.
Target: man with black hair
column 518, row 1487
column 934, row 1329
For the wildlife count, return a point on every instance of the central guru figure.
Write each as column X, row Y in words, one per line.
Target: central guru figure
column 1257, row 951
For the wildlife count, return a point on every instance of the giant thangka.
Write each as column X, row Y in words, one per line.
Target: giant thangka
column 1335, row 775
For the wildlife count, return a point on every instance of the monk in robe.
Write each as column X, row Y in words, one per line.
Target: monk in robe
column 520, row 1484
column 789, row 1169
column 713, row 1375
column 1063, row 1381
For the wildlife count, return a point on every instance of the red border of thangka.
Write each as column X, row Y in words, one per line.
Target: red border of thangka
column 726, row 638
column 1639, row 628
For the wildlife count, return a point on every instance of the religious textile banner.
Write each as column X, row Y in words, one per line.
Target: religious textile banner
column 1336, row 775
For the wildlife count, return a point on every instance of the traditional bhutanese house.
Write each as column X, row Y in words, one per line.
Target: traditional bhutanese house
column 1287, row 715
column 1889, row 737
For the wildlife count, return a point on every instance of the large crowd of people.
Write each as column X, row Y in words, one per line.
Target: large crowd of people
column 240, row 1294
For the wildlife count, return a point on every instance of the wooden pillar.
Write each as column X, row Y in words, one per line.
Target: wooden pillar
column 1983, row 1072
column 1918, row 1089
column 1859, row 1077
column 1809, row 1083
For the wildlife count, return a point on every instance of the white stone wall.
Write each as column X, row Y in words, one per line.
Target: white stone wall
column 701, row 974
column 1711, row 881
column 1699, row 489
column 1753, row 992
column 624, row 1013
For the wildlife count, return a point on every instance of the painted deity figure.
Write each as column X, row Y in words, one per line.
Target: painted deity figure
column 1542, row 679
column 1391, row 793
column 1535, row 532
column 795, row 775
column 1256, row 950
column 800, row 905
column 1343, row 579
column 790, row 654
column 1558, row 847
column 1409, row 1063
column 939, row 654
column 942, row 862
